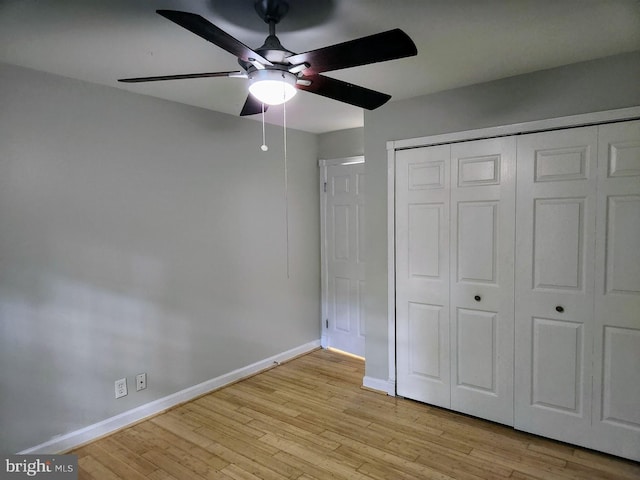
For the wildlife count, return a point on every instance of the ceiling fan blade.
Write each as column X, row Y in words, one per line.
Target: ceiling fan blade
column 344, row 92
column 252, row 106
column 207, row 30
column 380, row 47
column 181, row 77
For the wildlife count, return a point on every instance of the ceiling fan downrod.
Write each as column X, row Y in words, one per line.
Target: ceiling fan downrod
column 271, row 11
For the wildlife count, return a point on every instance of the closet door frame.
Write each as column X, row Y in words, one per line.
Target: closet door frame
column 608, row 116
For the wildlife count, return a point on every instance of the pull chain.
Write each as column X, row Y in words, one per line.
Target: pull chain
column 286, row 183
column 263, row 147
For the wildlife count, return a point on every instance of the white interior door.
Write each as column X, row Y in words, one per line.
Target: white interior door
column 345, row 267
column 422, row 274
column 454, row 276
column 555, row 242
column 616, row 400
column 482, row 260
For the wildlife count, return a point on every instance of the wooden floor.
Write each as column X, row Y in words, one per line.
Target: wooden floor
column 309, row 419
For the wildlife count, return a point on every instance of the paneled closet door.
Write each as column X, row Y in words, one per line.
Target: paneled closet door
column 422, row 274
column 556, row 212
column 616, row 409
column 481, row 277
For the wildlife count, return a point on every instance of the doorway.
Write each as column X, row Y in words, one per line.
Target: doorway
column 343, row 266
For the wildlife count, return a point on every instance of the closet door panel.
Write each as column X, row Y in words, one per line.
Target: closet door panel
column 422, row 274
column 554, row 282
column 482, row 240
column 477, row 242
column 477, row 350
column 616, row 410
column 557, row 347
column 558, row 248
column 622, row 267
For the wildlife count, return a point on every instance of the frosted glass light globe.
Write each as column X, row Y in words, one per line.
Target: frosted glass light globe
column 272, row 87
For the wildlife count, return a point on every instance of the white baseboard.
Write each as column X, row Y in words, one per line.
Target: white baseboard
column 386, row 386
column 62, row 443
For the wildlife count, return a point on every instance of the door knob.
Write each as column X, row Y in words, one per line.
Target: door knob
column 477, row 298
column 559, row 309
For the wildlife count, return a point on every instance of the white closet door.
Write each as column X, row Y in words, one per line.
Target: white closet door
column 345, row 263
column 616, row 409
column 482, row 258
column 556, row 211
column 422, row 274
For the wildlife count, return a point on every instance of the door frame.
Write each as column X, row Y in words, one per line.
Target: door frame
column 557, row 123
column 324, row 274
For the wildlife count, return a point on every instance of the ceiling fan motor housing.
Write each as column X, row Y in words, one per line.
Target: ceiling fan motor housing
column 273, row 50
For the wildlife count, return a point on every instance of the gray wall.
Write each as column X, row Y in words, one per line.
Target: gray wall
column 138, row 235
column 341, row 144
column 605, row 84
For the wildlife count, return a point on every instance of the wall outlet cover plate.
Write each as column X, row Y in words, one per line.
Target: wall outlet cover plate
column 121, row 387
column 141, row 381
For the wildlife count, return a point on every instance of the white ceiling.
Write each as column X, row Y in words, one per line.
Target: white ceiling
column 460, row 42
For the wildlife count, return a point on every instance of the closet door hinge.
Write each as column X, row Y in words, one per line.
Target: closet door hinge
column 325, row 187
column 326, row 323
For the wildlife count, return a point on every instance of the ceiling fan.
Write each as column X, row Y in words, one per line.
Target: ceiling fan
column 275, row 73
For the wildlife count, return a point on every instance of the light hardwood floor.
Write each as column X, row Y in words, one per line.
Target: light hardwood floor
column 309, row 419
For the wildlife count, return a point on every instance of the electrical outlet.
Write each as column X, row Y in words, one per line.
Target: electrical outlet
column 141, row 381
column 121, row 387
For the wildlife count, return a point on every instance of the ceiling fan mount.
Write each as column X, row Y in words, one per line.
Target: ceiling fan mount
column 271, row 10
column 273, row 63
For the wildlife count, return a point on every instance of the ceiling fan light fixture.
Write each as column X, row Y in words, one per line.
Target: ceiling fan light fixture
column 272, row 87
